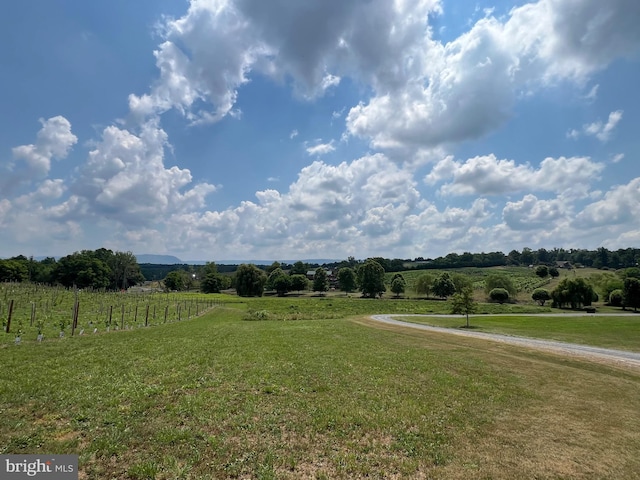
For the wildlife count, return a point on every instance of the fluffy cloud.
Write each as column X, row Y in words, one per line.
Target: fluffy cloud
column 619, row 206
column 207, row 54
column 470, row 84
column 125, row 178
column 321, row 149
column 530, row 213
column 487, row 175
column 32, row 162
column 602, row 131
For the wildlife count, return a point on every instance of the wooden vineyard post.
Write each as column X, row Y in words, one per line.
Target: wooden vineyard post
column 146, row 317
column 33, row 313
column 135, row 315
column 9, row 316
column 110, row 314
column 122, row 318
column 166, row 311
column 74, row 320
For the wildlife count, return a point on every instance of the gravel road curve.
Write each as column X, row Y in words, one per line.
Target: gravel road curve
column 584, row 351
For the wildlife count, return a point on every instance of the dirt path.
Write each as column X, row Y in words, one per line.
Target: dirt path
column 584, row 351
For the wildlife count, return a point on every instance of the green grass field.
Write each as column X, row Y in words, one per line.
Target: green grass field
column 307, row 394
column 621, row 332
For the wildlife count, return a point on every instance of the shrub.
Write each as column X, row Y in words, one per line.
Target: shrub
column 616, row 297
column 541, row 295
column 499, row 295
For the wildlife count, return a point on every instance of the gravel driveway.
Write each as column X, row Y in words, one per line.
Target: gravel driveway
column 584, row 351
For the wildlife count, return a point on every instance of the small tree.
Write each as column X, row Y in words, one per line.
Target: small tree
column 424, row 284
column 443, row 286
column 542, row 271
column 541, row 295
column 299, row 282
column 371, row 278
column 553, row 271
column 320, row 282
column 347, row 279
column 499, row 295
column 398, row 285
column 463, row 303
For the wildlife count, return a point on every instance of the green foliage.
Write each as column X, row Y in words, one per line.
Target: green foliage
column 347, row 279
column 463, row 303
column 553, row 271
column 424, row 284
column 176, row 280
column 632, row 293
column 542, row 271
column 279, row 281
column 298, row 268
column 541, row 296
column 443, row 286
column 398, row 284
column 616, row 298
column 461, row 281
column 633, row 272
column 212, row 281
column 97, row 269
column 320, row 280
column 299, row 282
column 500, row 281
column 13, row 270
column 573, row 292
column 499, row 295
column 370, row 277
column 249, row 281
column 606, row 282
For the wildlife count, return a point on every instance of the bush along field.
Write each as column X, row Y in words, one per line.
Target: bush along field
column 309, row 388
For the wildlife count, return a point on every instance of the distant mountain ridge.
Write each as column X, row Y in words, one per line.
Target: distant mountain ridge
column 173, row 260
column 159, row 259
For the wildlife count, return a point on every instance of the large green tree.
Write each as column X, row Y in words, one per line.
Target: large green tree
column 574, row 293
column 176, row 280
column 299, row 282
column 279, row 281
column 424, row 284
column 320, row 280
column 347, row 280
column 631, row 293
column 371, row 279
column 443, row 286
column 210, row 280
column 249, row 281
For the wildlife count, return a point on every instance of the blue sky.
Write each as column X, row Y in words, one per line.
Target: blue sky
column 231, row 129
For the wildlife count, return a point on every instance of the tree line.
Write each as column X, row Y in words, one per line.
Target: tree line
column 98, row 269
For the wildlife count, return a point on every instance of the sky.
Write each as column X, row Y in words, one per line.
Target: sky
column 237, row 129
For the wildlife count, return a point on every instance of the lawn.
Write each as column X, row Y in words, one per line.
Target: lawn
column 618, row 332
column 220, row 396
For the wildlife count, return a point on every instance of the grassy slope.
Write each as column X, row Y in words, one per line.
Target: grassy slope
column 611, row 332
column 219, row 397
